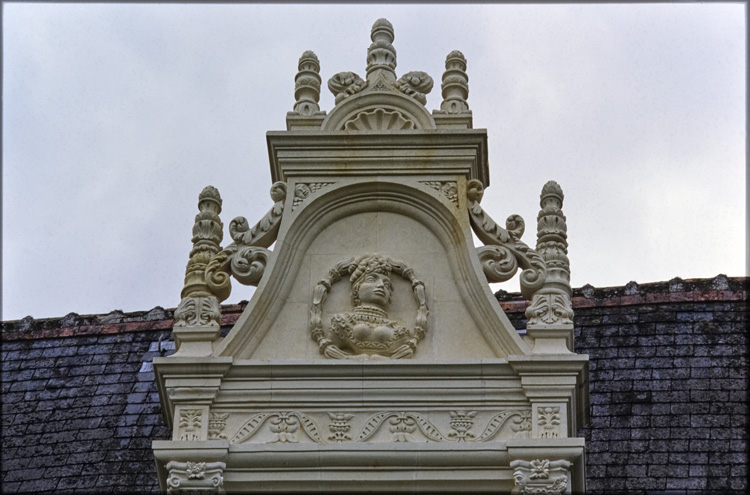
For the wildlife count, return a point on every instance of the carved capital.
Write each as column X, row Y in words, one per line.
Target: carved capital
column 188, row 477
column 540, row 477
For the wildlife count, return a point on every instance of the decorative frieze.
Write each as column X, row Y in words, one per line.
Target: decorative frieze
column 549, row 422
column 387, row 426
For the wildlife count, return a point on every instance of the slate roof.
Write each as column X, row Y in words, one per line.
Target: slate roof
column 668, row 379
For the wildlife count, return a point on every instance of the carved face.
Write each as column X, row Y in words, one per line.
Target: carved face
column 375, row 288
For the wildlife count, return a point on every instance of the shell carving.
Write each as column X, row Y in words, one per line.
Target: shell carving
column 379, row 120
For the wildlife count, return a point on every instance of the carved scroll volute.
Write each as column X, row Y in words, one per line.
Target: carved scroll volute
column 504, row 252
column 246, row 258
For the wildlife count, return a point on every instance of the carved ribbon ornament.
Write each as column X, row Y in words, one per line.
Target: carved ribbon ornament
column 246, row 258
column 504, row 252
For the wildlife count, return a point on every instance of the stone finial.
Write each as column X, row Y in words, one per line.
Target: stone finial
column 551, row 305
column 455, row 84
column 381, row 55
column 199, row 307
column 307, row 85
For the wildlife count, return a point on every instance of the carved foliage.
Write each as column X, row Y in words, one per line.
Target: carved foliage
column 216, row 424
column 345, row 84
column 540, row 477
column 505, row 252
column 449, row 189
column 551, row 304
column 415, row 84
column 190, row 424
column 461, row 422
column 198, row 311
column 195, row 476
column 246, row 258
column 549, row 421
column 340, row 426
column 283, row 425
column 303, row 190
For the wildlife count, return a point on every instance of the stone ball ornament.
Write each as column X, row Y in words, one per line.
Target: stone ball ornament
column 366, row 332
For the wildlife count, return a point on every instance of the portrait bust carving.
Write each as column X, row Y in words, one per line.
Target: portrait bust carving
column 367, row 332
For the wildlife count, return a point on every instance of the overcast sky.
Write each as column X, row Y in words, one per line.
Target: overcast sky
column 116, row 116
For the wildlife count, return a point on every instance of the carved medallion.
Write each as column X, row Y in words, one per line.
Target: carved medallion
column 367, row 332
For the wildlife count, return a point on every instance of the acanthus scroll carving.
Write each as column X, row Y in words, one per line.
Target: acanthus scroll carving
column 504, row 252
column 367, row 332
column 246, row 258
column 390, row 426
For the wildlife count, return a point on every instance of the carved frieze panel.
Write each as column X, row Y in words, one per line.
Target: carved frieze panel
column 377, row 427
column 366, row 332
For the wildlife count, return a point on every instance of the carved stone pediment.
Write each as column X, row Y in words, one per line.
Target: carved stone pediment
column 373, row 356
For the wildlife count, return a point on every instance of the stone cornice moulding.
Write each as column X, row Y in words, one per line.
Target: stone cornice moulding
column 310, row 153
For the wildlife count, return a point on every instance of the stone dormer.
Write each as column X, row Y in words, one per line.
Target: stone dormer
column 373, row 355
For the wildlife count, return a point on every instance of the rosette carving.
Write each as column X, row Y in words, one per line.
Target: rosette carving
column 345, row 84
column 246, row 258
column 416, row 84
column 504, row 252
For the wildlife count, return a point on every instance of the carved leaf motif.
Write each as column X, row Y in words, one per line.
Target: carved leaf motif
column 494, row 425
column 250, row 427
column 372, row 425
column 427, row 428
column 533, row 265
column 309, row 426
column 498, row 263
column 249, row 263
